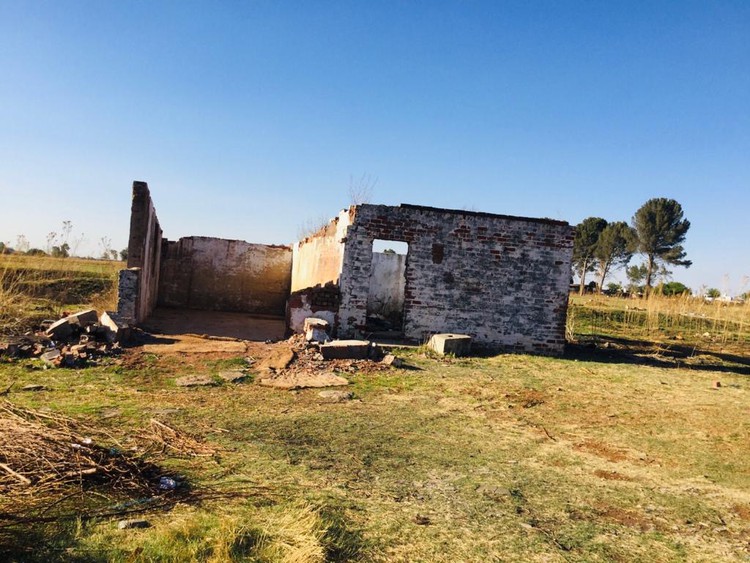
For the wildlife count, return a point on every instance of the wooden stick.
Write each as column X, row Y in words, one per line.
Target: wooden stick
column 16, row 475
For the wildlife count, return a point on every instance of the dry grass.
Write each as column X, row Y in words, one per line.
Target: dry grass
column 657, row 317
column 623, row 451
column 33, row 288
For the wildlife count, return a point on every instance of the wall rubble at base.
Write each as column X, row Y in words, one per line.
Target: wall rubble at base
column 225, row 275
column 502, row 280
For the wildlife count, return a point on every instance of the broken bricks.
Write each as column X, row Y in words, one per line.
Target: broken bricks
column 72, row 341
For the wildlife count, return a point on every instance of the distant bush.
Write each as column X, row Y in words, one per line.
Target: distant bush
column 675, row 288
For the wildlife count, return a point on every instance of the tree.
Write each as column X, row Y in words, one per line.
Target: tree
column 713, row 293
column 661, row 229
column 614, row 249
column 584, row 246
column 675, row 288
column 360, row 190
column 62, row 251
column 614, row 288
column 636, row 275
column 124, row 255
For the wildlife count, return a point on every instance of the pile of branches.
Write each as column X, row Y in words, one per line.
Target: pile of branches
column 49, row 460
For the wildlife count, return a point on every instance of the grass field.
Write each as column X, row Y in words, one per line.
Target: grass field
column 34, row 288
column 626, row 449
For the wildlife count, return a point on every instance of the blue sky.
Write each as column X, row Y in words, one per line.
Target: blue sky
column 248, row 119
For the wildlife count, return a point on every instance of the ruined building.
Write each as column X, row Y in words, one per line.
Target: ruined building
column 401, row 272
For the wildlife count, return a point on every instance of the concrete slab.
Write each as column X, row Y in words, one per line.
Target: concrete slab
column 456, row 344
column 346, row 350
column 303, row 380
column 84, row 318
column 117, row 329
column 183, row 344
column 60, row 330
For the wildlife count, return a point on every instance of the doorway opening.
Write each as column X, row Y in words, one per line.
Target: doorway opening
column 385, row 299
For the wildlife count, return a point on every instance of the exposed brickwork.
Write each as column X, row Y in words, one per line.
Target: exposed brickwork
column 319, row 301
column 502, row 280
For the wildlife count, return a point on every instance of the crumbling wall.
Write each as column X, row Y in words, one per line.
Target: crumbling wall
column 502, row 280
column 318, row 258
column 139, row 284
column 316, row 269
column 225, row 275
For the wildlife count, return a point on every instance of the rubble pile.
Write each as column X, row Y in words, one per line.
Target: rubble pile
column 75, row 340
column 314, row 360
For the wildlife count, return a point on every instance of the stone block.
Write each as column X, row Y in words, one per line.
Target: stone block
column 456, row 344
column 84, row 318
column 315, row 322
column 60, row 330
column 51, row 358
column 346, row 350
column 118, row 330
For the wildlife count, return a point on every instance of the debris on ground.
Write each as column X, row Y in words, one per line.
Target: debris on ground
column 133, row 524
column 317, row 330
column 43, row 454
column 76, row 340
column 279, row 359
column 391, row 360
column 307, row 366
column 335, row 396
column 195, row 381
column 234, row 376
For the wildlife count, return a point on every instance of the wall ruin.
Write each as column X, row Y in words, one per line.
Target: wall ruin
column 502, row 280
column 225, row 275
column 139, row 285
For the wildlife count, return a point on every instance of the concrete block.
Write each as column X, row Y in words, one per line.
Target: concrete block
column 316, row 330
column 83, row 318
column 51, row 358
column 60, row 330
column 315, row 322
column 456, row 344
column 346, row 350
column 118, row 330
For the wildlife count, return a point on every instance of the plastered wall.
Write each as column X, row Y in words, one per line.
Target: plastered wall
column 225, row 275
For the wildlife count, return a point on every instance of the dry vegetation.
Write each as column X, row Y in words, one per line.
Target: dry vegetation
column 624, row 450
column 33, row 288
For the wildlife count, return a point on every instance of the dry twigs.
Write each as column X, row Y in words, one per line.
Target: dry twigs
column 47, row 457
column 176, row 442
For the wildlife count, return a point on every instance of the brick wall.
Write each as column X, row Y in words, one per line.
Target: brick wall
column 503, row 280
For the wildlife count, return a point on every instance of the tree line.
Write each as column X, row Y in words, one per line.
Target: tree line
column 656, row 232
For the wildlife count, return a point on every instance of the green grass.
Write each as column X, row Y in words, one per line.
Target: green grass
column 624, row 450
column 502, row 458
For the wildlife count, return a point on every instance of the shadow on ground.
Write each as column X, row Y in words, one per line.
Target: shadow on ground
column 608, row 349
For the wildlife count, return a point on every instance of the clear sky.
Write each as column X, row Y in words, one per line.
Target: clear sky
column 247, row 119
